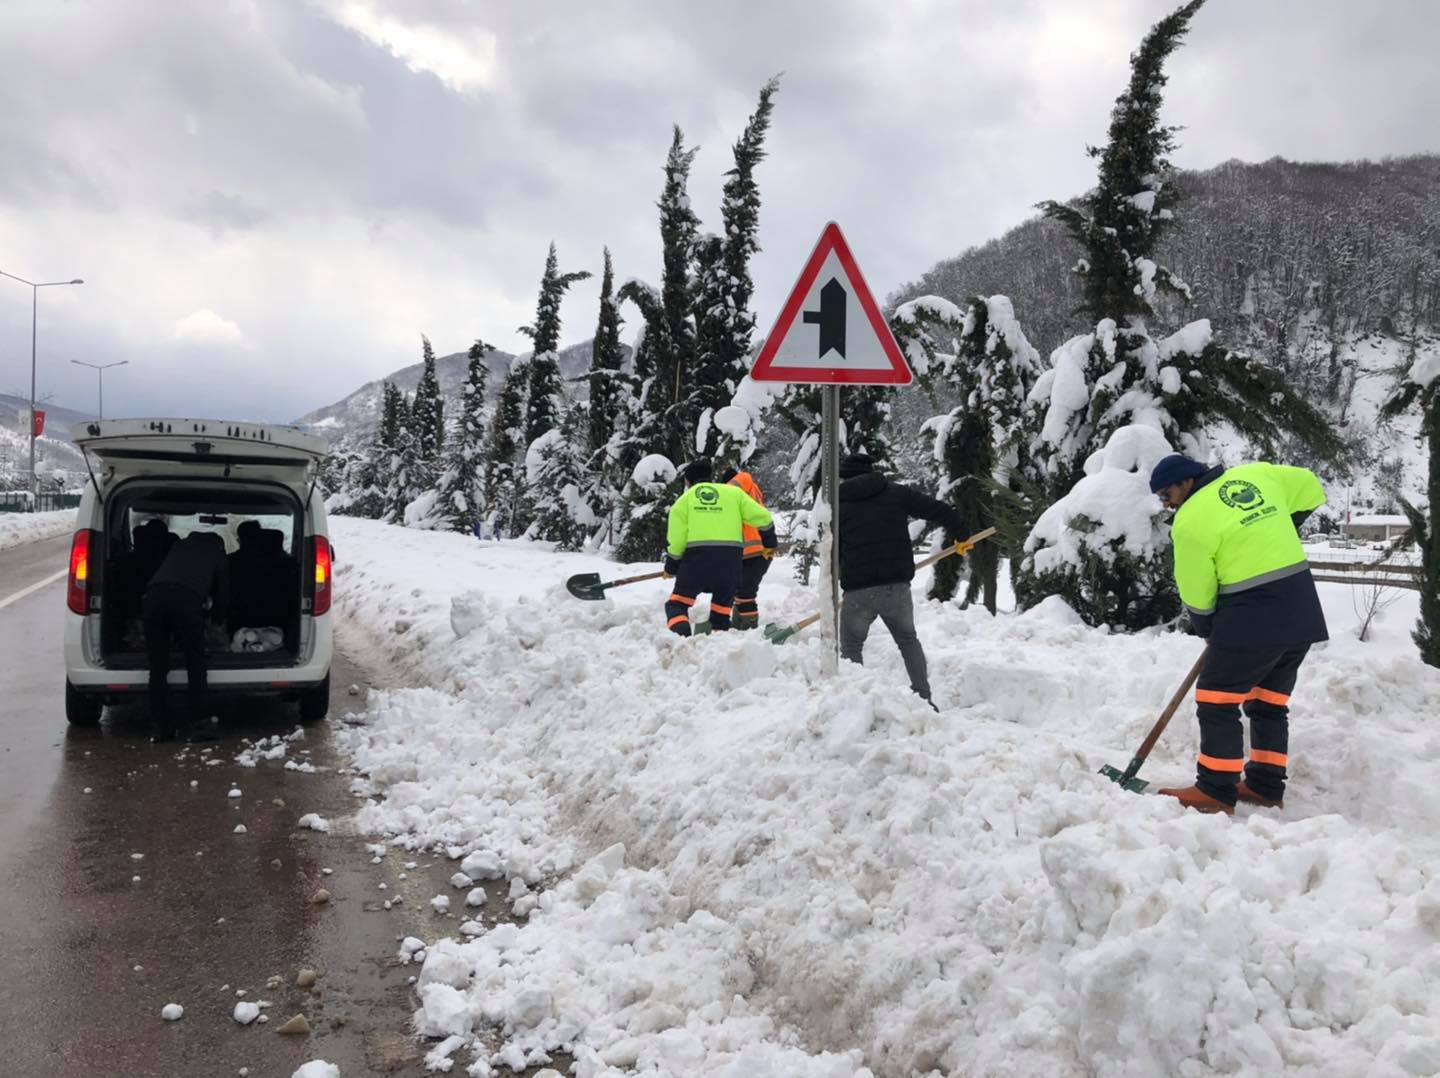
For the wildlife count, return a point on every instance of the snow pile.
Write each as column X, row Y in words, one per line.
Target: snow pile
column 317, row 1068
column 18, row 528
column 1422, row 372
column 824, row 878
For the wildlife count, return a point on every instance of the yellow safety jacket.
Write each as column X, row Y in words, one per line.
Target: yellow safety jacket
column 1237, row 550
column 713, row 515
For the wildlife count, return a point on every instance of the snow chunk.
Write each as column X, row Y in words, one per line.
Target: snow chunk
column 440, row 903
column 476, row 897
column 482, row 865
column 460, row 880
column 245, row 1013
column 1191, row 339
column 732, row 420
column 315, row 822
column 656, row 468
column 172, row 1012
column 235, row 793
column 1425, row 370
column 317, row 1068
column 444, row 1012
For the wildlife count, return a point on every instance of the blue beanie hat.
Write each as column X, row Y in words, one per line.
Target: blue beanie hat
column 1173, row 469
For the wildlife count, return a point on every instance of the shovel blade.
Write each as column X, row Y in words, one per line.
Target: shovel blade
column 778, row 634
column 585, row 586
column 701, row 628
column 1133, row 784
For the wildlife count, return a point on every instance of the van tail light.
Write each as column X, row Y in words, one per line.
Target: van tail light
column 77, row 593
column 320, row 559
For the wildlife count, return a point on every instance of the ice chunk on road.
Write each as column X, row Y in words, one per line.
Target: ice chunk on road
column 172, row 1012
column 476, row 897
column 460, row 880
column 482, row 865
column 441, row 904
column 315, row 822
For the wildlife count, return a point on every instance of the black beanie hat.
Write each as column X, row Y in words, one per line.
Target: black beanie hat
column 855, row 464
column 699, row 471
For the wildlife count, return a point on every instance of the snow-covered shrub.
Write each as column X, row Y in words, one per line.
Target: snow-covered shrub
column 1105, row 547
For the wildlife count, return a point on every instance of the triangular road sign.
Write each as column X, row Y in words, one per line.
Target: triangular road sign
column 831, row 329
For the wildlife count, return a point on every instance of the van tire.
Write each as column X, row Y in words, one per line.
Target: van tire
column 315, row 703
column 80, row 708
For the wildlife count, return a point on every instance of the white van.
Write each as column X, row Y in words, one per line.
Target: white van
column 153, row 481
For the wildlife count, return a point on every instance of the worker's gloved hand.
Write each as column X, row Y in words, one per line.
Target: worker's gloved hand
column 768, row 553
column 963, row 548
column 672, row 566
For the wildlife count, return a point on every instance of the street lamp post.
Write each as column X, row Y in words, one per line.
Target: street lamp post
column 35, row 287
column 100, row 377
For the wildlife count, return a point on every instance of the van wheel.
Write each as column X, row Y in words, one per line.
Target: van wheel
column 81, row 709
column 314, row 703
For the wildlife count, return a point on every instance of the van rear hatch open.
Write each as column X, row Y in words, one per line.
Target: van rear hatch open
column 153, row 447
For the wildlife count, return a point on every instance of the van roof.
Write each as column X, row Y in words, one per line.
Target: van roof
column 226, row 431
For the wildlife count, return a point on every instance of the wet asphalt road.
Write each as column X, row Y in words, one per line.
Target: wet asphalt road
column 90, row 954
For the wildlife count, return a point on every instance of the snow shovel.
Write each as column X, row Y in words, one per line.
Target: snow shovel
column 1126, row 778
column 778, row 634
column 590, row 586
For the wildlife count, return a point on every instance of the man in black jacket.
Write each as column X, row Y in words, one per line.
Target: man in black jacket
column 876, row 562
column 190, row 581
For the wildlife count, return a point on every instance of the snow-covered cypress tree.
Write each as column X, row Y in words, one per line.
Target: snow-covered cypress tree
column 406, row 474
column 460, row 503
column 1422, row 386
column 427, row 416
column 979, row 442
column 724, row 289
column 606, row 357
column 545, row 401
column 653, row 486
column 668, row 313
column 504, row 491
column 557, row 471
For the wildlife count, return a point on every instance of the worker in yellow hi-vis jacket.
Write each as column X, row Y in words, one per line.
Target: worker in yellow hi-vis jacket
column 1244, row 580
column 704, row 545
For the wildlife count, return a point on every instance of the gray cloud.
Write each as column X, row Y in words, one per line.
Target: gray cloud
column 331, row 179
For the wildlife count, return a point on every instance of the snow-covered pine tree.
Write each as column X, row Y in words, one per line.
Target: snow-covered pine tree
column 546, row 400
column 460, row 501
column 724, row 321
column 864, row 428
column 557, row 471
column 407, row 475
column 504, row 492
column 1422, row 386
column 644, row 508
column 980, row 442
column 427, row 413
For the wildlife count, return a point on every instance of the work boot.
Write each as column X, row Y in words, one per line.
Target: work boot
column 1196, row 798
column 1250, row 797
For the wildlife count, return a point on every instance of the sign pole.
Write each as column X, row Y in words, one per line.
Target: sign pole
column 830, row 485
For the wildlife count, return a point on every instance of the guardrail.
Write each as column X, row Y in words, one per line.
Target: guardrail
column 19, row 501
column 1367, row 573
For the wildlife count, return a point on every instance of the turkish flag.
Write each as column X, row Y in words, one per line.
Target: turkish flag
column 39, row 421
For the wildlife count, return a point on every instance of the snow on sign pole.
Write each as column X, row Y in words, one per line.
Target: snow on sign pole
column 831, row 332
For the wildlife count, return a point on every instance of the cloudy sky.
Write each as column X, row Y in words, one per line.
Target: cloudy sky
column 270, row 200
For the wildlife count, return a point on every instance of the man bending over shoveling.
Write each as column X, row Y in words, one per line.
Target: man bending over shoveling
column 705, row 546
column 1243, row 577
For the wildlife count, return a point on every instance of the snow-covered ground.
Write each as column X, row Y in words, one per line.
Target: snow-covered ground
column 17, row 528
column 736, row 866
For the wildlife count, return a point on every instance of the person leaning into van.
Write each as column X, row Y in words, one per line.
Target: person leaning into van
column 190, row 581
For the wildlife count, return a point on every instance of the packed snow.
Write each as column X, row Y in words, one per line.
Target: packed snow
column 18, row 528
column 729, row 863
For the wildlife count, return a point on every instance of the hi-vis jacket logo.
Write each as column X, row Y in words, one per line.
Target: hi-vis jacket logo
column 1242, row 495
column 707, row 495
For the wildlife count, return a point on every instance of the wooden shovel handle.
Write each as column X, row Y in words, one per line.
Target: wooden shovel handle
column 1180, row 694
column 634, row 579
column 954, row 548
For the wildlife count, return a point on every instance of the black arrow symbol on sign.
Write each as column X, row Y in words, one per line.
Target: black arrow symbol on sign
column 831, row 318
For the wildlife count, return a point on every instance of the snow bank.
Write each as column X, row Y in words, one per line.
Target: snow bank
column 782, row 873
column 18, row 528
column 1425, row 369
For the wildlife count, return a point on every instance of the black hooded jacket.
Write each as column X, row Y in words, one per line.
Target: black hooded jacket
column 875, row 529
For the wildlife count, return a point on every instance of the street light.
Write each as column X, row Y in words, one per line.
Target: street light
column 35, row 287
column 100, row 372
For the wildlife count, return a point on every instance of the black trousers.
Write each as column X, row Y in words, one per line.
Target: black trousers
column 712, row 569
column 747, row 608
column 1260, row 680
column 173, row 615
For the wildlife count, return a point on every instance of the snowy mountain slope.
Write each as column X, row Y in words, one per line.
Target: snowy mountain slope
column 54, row 450
column 353, row 418
column 817, row 865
